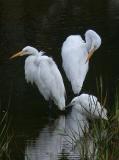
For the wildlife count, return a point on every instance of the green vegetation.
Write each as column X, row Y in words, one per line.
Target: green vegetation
column 5, row 138
column 102, row 141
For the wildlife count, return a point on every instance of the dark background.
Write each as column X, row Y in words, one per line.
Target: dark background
column 45, row 24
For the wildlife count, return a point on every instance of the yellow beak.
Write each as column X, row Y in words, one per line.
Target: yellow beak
column 17, row 54
column 90, row 54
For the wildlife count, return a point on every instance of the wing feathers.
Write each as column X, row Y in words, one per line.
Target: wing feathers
column 43, row 71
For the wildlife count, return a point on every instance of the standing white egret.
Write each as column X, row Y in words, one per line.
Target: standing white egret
column 76, row 54
column 43, row 71
column 89, row 106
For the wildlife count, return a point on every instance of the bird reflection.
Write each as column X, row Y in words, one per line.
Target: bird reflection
column 67, row 134
column 53, row 142
column 59, row 138
column 49, row 143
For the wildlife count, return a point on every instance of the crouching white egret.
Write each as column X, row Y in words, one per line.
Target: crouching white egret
column 89, row 106
column 75, row 56
column 43, row 71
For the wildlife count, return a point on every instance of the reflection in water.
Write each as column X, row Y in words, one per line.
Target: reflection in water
column 49, row 144
column 52, row 143
column 76, row 124
column 79, row 141
column 60, row 139
column 45, row 24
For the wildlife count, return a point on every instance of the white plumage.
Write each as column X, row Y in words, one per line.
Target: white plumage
column 42, row 70
column 89, row 106
column 49, row 144
column 75, row 56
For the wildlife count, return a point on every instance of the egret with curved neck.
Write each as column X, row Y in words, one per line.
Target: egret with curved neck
column 76, row 54
column 43, row 71
column 89, row 107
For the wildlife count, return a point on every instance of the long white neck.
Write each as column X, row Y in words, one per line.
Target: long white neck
column 92, row 39
column 88, row 42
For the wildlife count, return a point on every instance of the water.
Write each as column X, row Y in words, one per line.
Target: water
column 45, row 25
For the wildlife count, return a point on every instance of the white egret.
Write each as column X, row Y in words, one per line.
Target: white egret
column 43, row 71
column 75, row 56
column 84, row 107
column 77, row 131
column 89, row 106
column 52, row 143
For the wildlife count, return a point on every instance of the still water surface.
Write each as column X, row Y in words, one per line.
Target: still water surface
column 45, row 24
